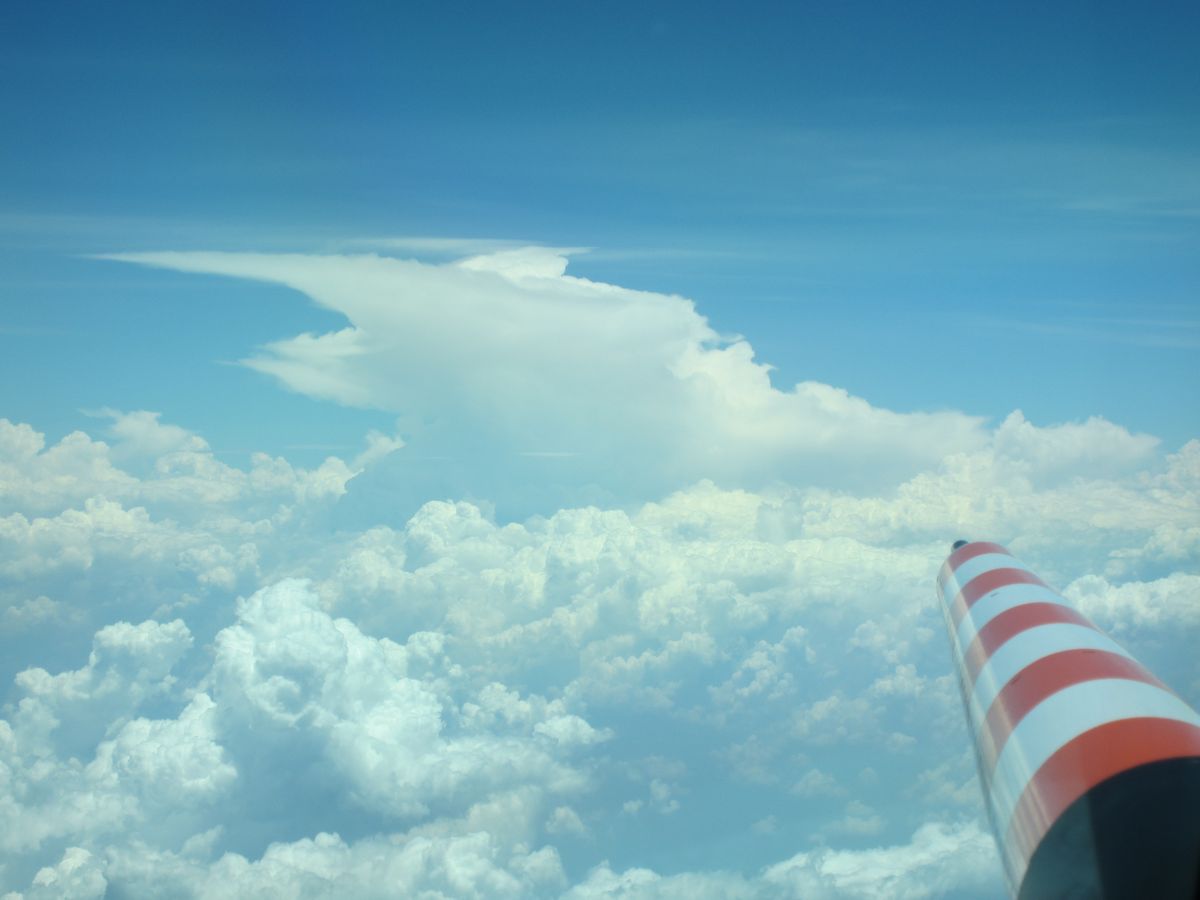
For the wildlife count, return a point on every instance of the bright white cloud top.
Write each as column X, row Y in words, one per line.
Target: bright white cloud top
column 709, row 665
column 508, row 352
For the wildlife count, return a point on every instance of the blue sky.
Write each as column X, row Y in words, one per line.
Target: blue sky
column 843, row 186
column 665, row 615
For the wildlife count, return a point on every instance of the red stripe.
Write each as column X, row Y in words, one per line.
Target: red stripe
column 985, row 583
column 1084, row 762
column 962, row 554
column 972, row 550
column 1039, row 680
column 1009, row 624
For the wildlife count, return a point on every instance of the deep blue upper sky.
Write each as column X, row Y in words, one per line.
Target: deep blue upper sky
column 969, row 205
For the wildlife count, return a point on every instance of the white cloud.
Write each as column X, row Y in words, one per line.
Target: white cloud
column 643, row 884
column 838, row 719
column 858, row 819
column 36, row 479
column 35, row 612
column 762, row 672
column 1065, row 525
column 151, row 523
column 77, row 876
column 940, row 860
column 636, row 385
column 473, row 857
column 139, row 435
column 453, row 704
column 326, row 866
column 565, row 821
column 162, row 467
column 1091, row 449
column 903, row 681
column 48, row 794
column 314, row 730
column 1169, row 602
column 381, row 714
column 127, row 664
column 686, row 607
column 951, row 784
column 815, row 783
column 168, row 762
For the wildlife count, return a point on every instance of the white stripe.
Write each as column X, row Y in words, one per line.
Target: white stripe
column 1001, row 600
column 1026, row 648
column 1062, row 717
column 978, row 565
column 990, row 606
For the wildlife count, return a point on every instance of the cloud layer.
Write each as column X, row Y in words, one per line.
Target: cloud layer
column 718, row 671
column 262, row 704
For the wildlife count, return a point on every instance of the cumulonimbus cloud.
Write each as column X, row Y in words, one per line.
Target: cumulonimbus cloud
column 507, row 353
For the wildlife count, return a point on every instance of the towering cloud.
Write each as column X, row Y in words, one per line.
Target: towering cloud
column 631, row 390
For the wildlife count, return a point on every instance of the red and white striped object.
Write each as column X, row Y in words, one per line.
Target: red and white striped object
column 1055, row 706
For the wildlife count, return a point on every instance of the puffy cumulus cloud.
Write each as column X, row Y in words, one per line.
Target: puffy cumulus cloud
column 631, row 390
column 163, row 467
column 124, row 658
column 139, row 435
column 763, row 673
column 35, row 611
column 35, row 478
column 102, row 548
column 393, row 729
column 618, row 595
column 815, row 783
column 462, row 706
column 143, row 773
column 940, row 860
column 1078, row 521
column 128, row 665
column 838, row 719
column 481, row 855
column 468, row 866
column 952, row 784
column 77, row 876
column 858, row 819
column 903, row 681
column 1093, row 448
column 401, row 725
column 642, row 883
column 167, row 760
column 149, row 522
column 565, row 820
column 1165, row 603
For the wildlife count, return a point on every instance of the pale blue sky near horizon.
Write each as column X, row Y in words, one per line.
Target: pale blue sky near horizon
column 933, row 206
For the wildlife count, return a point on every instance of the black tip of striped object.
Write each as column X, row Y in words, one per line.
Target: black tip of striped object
column 959, row 543
column 1135, row 835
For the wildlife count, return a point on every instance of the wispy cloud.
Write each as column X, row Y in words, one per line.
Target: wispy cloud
column 447, row 246
column 1179, row 334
